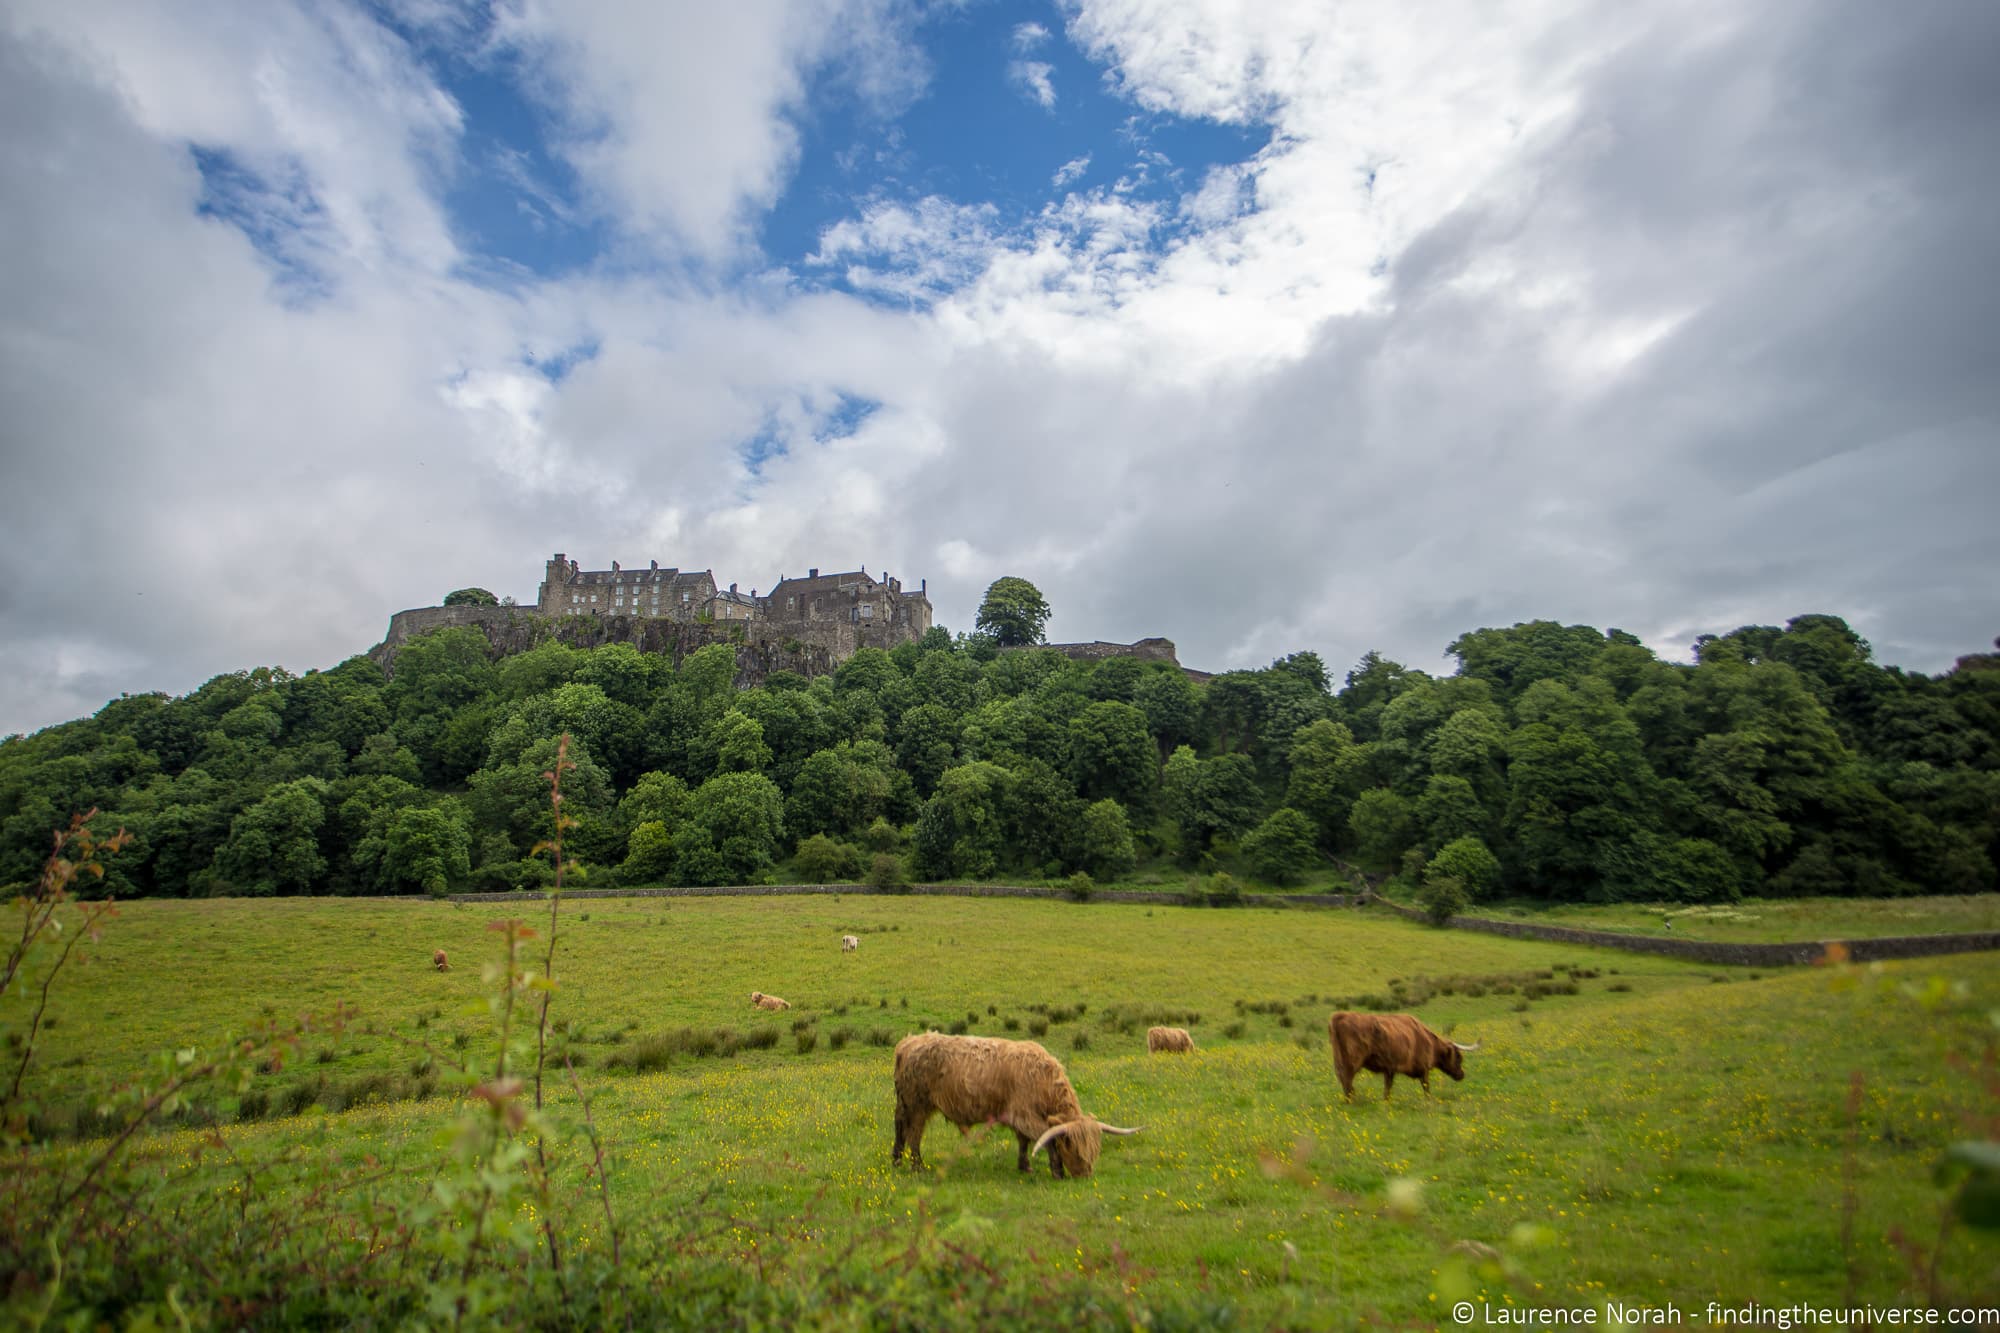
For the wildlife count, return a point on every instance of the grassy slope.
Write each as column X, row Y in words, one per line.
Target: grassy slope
column 1773, row 919
column 1682, row 1139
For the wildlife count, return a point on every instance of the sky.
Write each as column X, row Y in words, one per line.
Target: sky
column 1263, row 325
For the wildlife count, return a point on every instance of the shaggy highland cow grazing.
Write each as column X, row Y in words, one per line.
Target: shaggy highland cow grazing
column 849, row 943
column 1391, row 1044
column 438, row 962
column 759, row 1000
column 1170, row 1040
column 994, row 1081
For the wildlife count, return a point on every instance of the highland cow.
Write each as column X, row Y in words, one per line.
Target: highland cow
column 994, row 1081
column 849, row 943
column 1170, row 1040
column 1391, row 1044
column 760, row 1000
column 438, row 961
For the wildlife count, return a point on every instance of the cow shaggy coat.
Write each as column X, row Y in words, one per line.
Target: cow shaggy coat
column 994, row 1081
column 849, row 943
column 759, row 1000
column 438, row 961
column 1170, row 1040
column 1391, row 1044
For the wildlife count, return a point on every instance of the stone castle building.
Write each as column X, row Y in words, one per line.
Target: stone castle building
column 840, row 612
column 807, row 624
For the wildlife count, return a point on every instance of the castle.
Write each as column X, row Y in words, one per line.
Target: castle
column 804, row 625
column 842, row 612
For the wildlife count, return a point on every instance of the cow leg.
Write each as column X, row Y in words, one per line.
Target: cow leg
column 909, row 1134
column 1426, row 1077
column 1345, row 1074
column 1021, row 1161
column 1388, row 1082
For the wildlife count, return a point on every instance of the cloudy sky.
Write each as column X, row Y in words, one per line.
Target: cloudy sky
column 1259, row 324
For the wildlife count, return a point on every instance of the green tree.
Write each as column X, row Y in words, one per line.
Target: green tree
column 1013, row 613
column 1382, row 825
column 1111, row 754
column 1106, row 841
column 1224, row 801
column 1325, row 777
column 821, row 860
column 739, row 745
column 513, row 799
column 471, row 597
column 649, row 854
column 1172, row 708
column 1468, row 861
column 734, row 824
column 961, row 830
column 1448, row 810
column 428, row 849
column 1281, row 848
column 273, row 846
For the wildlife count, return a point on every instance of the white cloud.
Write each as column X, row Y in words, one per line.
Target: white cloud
column 681, row 116
column 1071, row 170
column 1658, row 319
column 1033, row 79
column 1029, row 36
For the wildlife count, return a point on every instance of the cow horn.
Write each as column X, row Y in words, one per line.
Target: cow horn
column 1054, row 1132
column 1113, row 1129
column 1463, row 1047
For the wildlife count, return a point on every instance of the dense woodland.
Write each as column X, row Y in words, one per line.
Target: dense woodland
column 1559, row 762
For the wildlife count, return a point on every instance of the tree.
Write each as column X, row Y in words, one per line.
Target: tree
column 959, row 834
column 822, row 860
column 471, row 597
column 1326, row 776
column 734, row 823
column 649, row 854
column 1013, row 613
column 1224, row 801
column 1469, row 862
column 273, row 846
column 1281, row 848
column 1448, row 810
column 1107, row 840
column 1111, row 754
column 1382, row 825
column 428, row 849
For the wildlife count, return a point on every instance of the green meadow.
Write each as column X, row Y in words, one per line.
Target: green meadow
column 1632, row 1130
column 1770, row 919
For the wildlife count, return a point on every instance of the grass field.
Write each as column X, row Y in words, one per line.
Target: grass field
column 1770, row 919
column 1631, row 1129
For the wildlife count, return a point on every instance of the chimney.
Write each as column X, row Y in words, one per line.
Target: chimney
column 572, row 567
column 923, row 585
column 559, row 557
column 732, row 590
column 813, row 573
column 656, row 566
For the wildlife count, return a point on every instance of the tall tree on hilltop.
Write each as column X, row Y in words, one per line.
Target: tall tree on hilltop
column 1013, row 613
